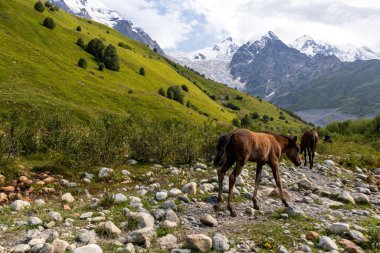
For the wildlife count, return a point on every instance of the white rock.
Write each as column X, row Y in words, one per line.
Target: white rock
column 167, row 242
column 111, row 229
column 220, row 243
column 338, row 228
column 199, row 242
column 105, row 172
column 357, row 236
column 175, row 192
column 90, row 248
column 55, row 216
column 67, row 197
column 200, row 166
column 34, row 221
column 329, row 163
column 39, row 202
column 346, row 197
column 190, row 188
column 207, row 187
column 208, row 220
column 161, row 196
column 60, row 246
column 120, row 197
column 86, row 215
column 18, row 205
column 129, row 248
column 327, row 243
column 21, row 248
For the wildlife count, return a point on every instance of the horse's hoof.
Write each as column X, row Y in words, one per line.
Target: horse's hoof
column 256, row 208
column 233, row 214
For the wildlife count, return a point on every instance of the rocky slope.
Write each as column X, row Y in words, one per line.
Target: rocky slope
column 148, row 208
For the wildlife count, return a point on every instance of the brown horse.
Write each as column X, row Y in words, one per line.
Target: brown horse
column 309, row 142
column 263, row 148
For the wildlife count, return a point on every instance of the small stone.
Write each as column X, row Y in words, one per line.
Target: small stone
column 169, row 224
column 312, row 235
column 129, row 248
column 67, row 197
column 361, row 198
column 329, row 163
column 276, row 194
column 345, row 196
column 86, row 215
column 161, row 196
column 327, row 243
column 170, row 215
column 175, row 192
column 282, row 249
column 43, row 248
column 141, row 236
column 55, row 216
column 132, row 162
column 220, row 243
column 338, row 228
column 350, row 247
column 34, row 221
column 167, row 242
column 120, row 198
column 190, row 188
column 357, row 236
column 249, row 211
column 295, row 211
column 110, row 228
column 105, row 172
column 60, row 246
column 305, row 183
column 199, row 242
column 18, row 205
column 21, row 248
column 90, row 248
column 208, row 220
column 201, row 166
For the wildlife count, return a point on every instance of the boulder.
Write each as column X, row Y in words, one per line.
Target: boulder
column 350, row 247
column 161, row 196
column 21, row 248
column 357, row 236
column 199, row 242
column 60, row 246
column 67, row 197
column 105, row 172
column 327, row 243
column 220, row 243
column 190, row 188
column 90, row 248
column 346, row 197
column 338, row 228
column 141, row 236
column 167, row 242
column 18, row 205
column 208, row 220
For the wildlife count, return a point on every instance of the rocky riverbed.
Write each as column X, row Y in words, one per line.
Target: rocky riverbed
column 157, row 208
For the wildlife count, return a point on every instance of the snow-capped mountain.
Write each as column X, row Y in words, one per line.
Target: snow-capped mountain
column 211, row 61
column 348, row 53
column 98, row 11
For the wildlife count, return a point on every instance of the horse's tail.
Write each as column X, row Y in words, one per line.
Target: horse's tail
column 220, row 158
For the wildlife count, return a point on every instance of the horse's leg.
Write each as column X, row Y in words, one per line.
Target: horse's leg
column 312, row 158
column 276, row 175
column 257, row 183
column 232, row 179
column 221, row 174
column 309, row 152
column 304, row 153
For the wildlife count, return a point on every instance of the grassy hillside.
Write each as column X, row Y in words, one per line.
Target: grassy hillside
column 38, row 69
column 355, row 89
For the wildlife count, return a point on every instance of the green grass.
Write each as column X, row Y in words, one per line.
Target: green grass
column 38, row 70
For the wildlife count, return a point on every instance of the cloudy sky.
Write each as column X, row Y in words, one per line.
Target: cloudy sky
column 187, row 25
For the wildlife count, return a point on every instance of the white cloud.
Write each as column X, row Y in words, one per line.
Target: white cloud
column 337, row 22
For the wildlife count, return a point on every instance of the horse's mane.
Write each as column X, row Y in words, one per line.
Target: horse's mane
column 275, row 134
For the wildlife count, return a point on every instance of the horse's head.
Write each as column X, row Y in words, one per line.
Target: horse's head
column 293, row 150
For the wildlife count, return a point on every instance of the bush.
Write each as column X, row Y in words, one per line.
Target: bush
column 39, row 6
column 123, row 45
column 231, row 106
column 49, row 23
column 82, row 63
column 161, row 91
column 184, row 88
column 80, row 42
column 111, row 58
column 265, row 118
column 155, row 50
column 236, row 122
column 246, row 121
column 79, row 28
column 101, row 66
column 255, row 115
column 48, row 5
column 282, row 117
column 175, row 92
column 96, row 47
column 238, row 97
column 142, row 71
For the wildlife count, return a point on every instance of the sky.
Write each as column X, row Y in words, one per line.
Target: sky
column 188, row 25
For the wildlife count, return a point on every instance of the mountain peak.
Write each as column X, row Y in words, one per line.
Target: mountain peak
column 271, row 35
column 228, row 39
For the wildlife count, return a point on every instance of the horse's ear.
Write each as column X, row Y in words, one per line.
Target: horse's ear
column 295, row 138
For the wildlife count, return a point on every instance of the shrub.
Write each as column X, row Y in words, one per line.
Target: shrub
column 265, row 118
column 236, row 122
column 48, row 5
column 231, row 106
column 96, row 47
column 246, row 121
column 79, row 28
column 39, row 6
column 238, row 97
column 111, row 58
column 101, row 66
column 142, row 71
column 255, row 115
column 49, row 23
column 123, row 45
column 161, row 91
column 155, row 50
column 282, row 117
column 82, row 63
column 188, row 104
column 175, row 92
column 213, row 97
column 184, row 88
column 80, row 42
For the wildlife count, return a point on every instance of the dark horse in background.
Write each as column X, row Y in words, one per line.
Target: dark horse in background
column 309, row 142
column 243, row 145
